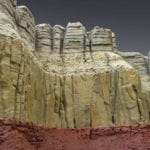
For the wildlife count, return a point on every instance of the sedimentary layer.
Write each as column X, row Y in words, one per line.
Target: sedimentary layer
column 17, row 135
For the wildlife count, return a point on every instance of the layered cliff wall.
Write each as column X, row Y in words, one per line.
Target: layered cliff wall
column 68, row 77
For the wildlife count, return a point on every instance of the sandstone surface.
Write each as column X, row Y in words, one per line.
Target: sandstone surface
column 68, row 77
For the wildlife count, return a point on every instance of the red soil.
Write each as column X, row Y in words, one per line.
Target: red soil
column 22, row 136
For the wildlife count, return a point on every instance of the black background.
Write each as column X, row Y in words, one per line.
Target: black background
column 129, row 19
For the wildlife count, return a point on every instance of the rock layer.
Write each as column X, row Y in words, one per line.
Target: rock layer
column 101, row 39
column 44, row 38
column 18, row 135
column 74, row 38
column 73, row 79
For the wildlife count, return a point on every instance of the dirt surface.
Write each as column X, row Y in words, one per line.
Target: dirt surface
column 15, row 135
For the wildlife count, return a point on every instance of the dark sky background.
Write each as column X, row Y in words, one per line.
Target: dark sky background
column 129, row 19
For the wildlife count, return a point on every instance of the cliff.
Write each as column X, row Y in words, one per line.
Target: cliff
column 68, row 77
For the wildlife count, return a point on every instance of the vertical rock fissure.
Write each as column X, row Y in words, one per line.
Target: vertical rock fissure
column 62, row 36
column 45, row 101
column 116, row 78
column 22, row 93
column 107, row 59
column 74, row 120
column 84, row 49
column 57, row 99
column 17, row 87
column 61, row 45
column 1, row 86
column 90, row 45
column 64, row 102
column 113, row 119
column 113, row 94
column 84, row 57
column 137, row 100
column 52, row 40
column 91, row 116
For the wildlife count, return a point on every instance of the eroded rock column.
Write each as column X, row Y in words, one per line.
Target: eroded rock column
column 101, row 39
column 74, row 38
column 44, row 38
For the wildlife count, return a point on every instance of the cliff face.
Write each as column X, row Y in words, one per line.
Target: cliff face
column 68, row 77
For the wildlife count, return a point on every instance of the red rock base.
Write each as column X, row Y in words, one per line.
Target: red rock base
column 22, row 136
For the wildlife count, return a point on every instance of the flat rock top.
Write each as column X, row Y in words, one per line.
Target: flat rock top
column 83, row 62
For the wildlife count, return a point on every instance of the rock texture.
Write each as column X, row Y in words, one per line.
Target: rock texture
column 26, row 25
column 18, row 135
column 75, row 37
column 68, row 77
column 8, row 7
column 58, row 38
column 101, row 39
column 44, row 38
